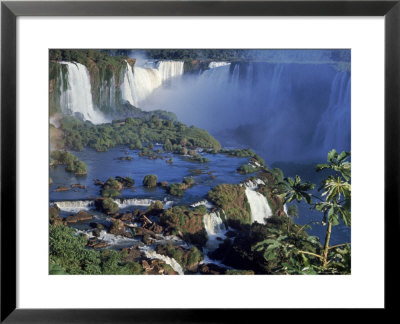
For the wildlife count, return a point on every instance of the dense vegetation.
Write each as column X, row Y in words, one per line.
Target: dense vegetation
column 68, row 255
column 150, row 181
column 71, row 162
column 135, row 132
column 187, row 222
column 233, row 201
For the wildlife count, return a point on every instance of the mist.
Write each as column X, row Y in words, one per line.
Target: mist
column 284, row 110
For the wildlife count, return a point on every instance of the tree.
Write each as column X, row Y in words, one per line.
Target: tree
column 336, row 196
column 337, row 193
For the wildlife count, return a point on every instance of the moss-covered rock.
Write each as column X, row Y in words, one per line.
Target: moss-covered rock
column 180, row 220
column 232, row 199
column 150, row 181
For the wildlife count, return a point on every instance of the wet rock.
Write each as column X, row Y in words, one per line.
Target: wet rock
column 147, row 239
column 96, row 232
column 128, row 234
column 211, row 269
column 78, row 185
column 126, row 217
column 81, row 216
column 97, row 225
column 98, row 182
column 62, row 188
column 155, row 228
column 117, row 227
column 131, row 254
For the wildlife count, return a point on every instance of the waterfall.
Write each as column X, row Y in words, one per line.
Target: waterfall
column 140, row 82
column 336, row 116
column 151, row 254
column 169, row 69
column 74, row 205
column 215, row 228
column 124, row 203
column 284, row 111
column 214, row 65
column 259, row 206
column 77, row 99
column 128, row 86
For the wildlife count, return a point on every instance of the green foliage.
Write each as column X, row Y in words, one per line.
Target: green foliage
column 188, row 181
column 109, row 206
column 134, row 132
column 156, row 206
column 336, row 189
column 188, row 222
column 71, row 162
column 68, row 255
column 337, row 162
column 277, row 174
column 298, row 190
column 186, row 258
column 247, row 168
column 197, row 158
column 232, row 199
column 176, row 189
column 68, row 252
column 293, row 211
column 150, row 181
column 55, row 269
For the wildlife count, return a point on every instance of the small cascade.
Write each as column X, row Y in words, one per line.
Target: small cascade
column 115, row 241
column 151, row 254
column 215, row 228
column 124, row 203
column 77, row 99
column 202, row 203
column 259, row 206
column 74, row 205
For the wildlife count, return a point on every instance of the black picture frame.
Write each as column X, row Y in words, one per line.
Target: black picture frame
column 9, row 13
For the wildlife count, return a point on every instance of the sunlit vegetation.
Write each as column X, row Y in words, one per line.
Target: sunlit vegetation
column 68, row 255
column 71, row 162
column 175, row 136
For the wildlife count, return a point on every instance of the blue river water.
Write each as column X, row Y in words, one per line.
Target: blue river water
column 220, row 169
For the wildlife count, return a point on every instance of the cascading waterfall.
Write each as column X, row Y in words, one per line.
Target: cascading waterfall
column 255, row 104
column 151, row 254
column 215, row 228
column 336, row 116
column 170, row 69
column 259, row 206
column 77, row 99
column 128, row 86
column 140, row 82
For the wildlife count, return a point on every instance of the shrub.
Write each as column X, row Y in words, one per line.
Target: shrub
column 109, row 206
column 150, row 181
